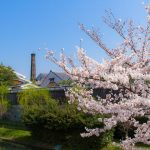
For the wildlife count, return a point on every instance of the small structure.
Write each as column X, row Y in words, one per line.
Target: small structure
column 52, row 79
column 21, row 83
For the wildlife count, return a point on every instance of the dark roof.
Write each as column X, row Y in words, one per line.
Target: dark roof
column 62, row 75
column 43, row 79
column 41, row 76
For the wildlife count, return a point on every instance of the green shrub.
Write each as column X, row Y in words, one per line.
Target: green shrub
column 4, row 103
column 30, row 97
column 76, row 142
column 63, row 124
column 60, row 118
column 55, row 123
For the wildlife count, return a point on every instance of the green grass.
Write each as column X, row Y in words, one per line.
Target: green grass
column 22, row 137
column 8, row 133
column 111, row 147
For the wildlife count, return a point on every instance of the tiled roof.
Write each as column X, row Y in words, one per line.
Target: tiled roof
column 44, row 79
column 41, row 76
column 62, row 75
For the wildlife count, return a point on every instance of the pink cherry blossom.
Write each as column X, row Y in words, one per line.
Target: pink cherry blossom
column 127, row 71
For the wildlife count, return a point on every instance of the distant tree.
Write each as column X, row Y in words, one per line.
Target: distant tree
column 4, row 103
column 7, row 75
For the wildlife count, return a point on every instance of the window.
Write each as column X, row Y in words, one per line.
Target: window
column 51, row 79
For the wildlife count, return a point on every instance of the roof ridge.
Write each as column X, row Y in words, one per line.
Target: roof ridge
column 57, row 75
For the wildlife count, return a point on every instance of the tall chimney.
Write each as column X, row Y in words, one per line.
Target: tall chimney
column 33, row 68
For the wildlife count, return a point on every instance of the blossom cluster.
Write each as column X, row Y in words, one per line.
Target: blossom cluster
column 127, row 71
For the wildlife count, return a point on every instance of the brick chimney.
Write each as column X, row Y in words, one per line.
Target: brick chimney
column 33, row 68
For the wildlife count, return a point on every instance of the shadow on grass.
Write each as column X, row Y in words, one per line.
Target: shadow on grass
column 33, row 143
column 23, row 137
column 142, row 146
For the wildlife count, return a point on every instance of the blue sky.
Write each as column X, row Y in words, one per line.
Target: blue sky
column 26, row 25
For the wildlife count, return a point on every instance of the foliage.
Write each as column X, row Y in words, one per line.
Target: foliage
column 111, row 147
column 3, row 92
column 61, row 118
column 127, row 71
column 34, row 97
column 63, row 124
column 66, row 82
column 4, row 102
column 7, row 75
column 76, row 142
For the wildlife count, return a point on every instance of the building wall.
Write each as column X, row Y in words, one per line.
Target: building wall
column 14, row 113
column 56, row 93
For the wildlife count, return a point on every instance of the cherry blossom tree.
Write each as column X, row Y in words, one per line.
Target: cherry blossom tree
column 127, row 71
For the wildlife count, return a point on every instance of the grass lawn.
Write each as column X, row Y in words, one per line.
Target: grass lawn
column 13, row 133
column 22, row 137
